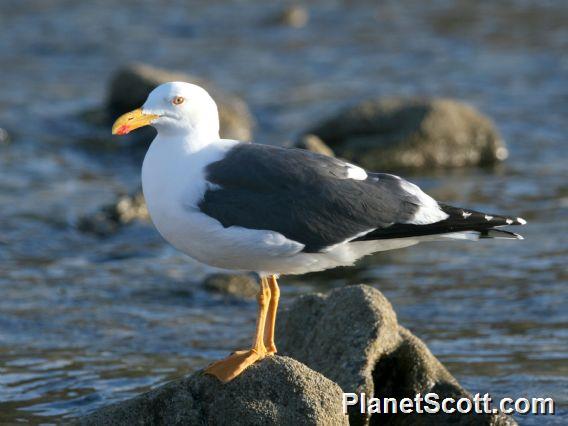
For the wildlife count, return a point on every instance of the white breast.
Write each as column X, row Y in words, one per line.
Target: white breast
column 173, row 181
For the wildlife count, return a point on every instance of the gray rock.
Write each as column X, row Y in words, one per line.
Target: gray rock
column 110, row 218
column 345, row 354
column 240, row 285
column 276, row 391
column 351, row 336
column 411, row 134
column 131, row 85
column 411, row 369
column 295, row 16
column 4, row 136
column 314, row 144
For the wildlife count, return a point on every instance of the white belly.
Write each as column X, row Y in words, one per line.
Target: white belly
column 265, row 252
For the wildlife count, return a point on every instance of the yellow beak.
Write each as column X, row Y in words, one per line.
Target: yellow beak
column 132, row 120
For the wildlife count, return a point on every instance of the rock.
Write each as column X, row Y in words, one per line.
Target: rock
column 332, row 345
column 292, row 16
column 354, row 339
column 240, row 285
column 131, row 85
column 276, row 391
column 125, row 210
column 410, row 369
column 411, row 133
column 4, row 136
column 131, row 208
column 314, row 144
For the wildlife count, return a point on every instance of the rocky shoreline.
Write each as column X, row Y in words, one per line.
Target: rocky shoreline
column 348, row 340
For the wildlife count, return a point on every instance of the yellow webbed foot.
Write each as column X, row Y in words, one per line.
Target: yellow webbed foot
column 232, row 366
column 263, row 342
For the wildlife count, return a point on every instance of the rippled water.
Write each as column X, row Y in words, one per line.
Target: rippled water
column 85, row 321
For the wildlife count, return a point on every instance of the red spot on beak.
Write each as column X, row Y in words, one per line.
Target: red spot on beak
column 123, row 130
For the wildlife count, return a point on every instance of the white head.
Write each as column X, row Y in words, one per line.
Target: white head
column 176, row 107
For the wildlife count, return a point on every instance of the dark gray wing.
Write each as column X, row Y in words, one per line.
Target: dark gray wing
column 307, row 197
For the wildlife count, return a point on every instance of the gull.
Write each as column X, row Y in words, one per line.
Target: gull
column 273, row 210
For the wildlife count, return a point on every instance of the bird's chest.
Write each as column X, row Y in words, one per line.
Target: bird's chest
column 173, row 183
column 168, row 193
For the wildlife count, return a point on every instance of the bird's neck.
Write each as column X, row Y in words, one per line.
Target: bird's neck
column 174, row 170
column 198, row 141
column 192, row 138
column 170, row 151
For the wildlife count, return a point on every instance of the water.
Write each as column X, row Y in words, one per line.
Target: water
column 85, row 321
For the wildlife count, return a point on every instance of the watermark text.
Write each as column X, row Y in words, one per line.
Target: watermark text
column 432, row 403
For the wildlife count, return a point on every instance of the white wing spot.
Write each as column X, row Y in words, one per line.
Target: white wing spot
column 487, row 217
column 509, row 221
column 466, row 214
column 521, row 221
column 355, row 172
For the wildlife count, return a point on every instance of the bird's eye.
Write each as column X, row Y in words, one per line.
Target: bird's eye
column 178, row 100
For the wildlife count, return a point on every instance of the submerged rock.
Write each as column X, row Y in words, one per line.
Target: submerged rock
column 276, row 391
column 411, row 133
column 131, row 85
column 292, row 16
column 110, row 218
column 314, row 144
column 354, row 339
column 240, row 285
column 4, row 136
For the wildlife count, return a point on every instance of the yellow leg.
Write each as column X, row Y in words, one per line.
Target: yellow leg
column 271, row 316
column 230, row 367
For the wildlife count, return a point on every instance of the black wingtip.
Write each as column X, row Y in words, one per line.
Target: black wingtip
column 478, row 219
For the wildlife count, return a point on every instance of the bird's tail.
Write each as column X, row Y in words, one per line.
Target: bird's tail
column 461, row 224
column 476, row 235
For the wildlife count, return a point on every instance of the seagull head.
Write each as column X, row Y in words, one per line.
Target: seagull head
column 176, row 107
